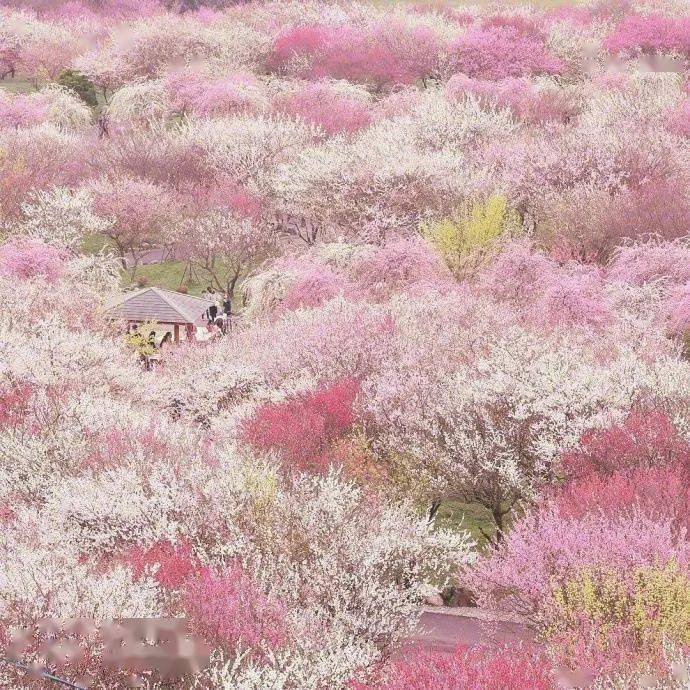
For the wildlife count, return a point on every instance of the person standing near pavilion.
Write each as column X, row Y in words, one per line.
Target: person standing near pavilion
column 227, row 310
column 211, row 296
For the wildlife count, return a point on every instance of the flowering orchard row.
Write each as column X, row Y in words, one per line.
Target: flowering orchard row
column 460, row 243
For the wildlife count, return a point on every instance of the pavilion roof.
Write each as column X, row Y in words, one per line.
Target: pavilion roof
column 155, row 304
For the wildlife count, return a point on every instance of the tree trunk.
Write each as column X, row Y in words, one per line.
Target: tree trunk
column 497, row 515
column 433, row 509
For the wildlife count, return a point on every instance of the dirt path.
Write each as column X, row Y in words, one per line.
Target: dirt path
column 441, row 631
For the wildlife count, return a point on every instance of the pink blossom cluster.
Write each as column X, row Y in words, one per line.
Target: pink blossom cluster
column 649, row 34
column 503, row 48
column 26, row 258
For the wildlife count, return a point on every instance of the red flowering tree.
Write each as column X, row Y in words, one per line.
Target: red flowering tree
column 301, row 429
column 171, row 565
column 644, row 439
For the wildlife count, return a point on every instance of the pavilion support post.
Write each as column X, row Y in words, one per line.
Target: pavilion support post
column 177, row 332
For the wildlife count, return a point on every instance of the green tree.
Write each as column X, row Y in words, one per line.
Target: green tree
column 77, row 82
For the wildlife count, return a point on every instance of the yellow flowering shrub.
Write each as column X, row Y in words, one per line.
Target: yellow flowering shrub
column 138, row 339
column 465, row 240
column 620, row 615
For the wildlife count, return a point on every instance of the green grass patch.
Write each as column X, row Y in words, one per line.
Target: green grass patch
column 472, row 517
column 168, row 275
column 93, row 244
column 17, row 84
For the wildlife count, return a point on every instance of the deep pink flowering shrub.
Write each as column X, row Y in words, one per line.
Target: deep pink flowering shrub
column 644, row 439
column 544, row 292
column 519, row 95
column 224, row 195
column 651, row 33
column 388, row 53
column 24, row 258
column 383, row 54
column 662, row 492
column 172, row 565
column 229, row 611
column 477, row 668
column 333, row 111
column 298, row 42
column 300, row 429
column 497, row 52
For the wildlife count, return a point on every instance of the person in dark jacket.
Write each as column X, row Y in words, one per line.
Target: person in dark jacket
column 227, row 310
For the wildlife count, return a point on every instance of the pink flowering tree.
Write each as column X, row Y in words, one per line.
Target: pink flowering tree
column 24, row 258
column 229, row 610
column 20, row 110
column 496, row 51
column 139, row 213
column 39, row 158
column 655, row 33
column 548, row 564
column 333, row 111
column 380, row 55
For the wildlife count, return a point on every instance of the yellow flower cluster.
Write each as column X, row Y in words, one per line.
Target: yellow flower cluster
column 649, row 606
column 465, row 240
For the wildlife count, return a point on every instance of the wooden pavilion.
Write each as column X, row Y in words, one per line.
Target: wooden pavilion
column 162, row 306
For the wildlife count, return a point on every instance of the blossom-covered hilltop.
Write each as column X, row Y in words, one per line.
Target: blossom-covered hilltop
column 443, row 345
